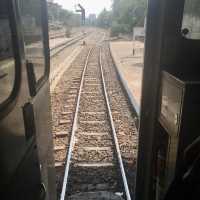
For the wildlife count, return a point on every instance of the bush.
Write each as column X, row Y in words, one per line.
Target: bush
column 116, row 29
column 68, row 33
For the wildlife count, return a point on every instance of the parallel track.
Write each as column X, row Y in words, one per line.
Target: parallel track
column 59, row 48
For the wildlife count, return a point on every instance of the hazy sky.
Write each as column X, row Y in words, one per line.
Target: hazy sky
column 91, row 6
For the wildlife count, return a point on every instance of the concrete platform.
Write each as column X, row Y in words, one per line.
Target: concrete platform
column 130, row 66
column 102, row 195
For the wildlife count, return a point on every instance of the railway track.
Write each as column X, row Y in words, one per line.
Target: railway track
column 63, row 59
column 93, row 129
column 54, row 51
column 94, row 160
column 124, row 116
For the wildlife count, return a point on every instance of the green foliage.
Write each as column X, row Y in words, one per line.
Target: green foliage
column 75, row 20
column 104, row 19
column 192, row 7
column 31, row 8
column 67, row 18
column 116, row 29
column 64, row 16
column 125, row 15
column 129, row 13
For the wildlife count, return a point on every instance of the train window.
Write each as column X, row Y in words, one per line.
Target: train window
column 7, row 61
column 33, row 35
column 191, row 19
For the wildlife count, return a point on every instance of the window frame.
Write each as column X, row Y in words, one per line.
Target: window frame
column 35, row 86
column 182, row 28
column 13, row 18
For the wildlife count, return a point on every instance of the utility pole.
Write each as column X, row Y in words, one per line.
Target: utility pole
column 82, row 11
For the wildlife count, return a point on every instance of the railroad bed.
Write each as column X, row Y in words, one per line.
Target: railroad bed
column 89, row 124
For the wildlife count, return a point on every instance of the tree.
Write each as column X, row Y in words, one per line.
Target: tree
column 58, row 14
column 129, row 13
column 65, row 16
column 192, row 7
column 125, row 15
column 31, row 8
column 104, row 19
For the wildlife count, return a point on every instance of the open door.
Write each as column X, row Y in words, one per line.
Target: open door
column 26, row 149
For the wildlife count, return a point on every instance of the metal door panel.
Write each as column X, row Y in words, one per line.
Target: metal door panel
column 44, row 140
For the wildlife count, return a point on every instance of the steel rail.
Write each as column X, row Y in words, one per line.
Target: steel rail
column 68, row 41
column 56, row 35
column 65, row 45
column 74, row 128
column 125, row 182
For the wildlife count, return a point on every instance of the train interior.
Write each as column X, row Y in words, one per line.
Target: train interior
column 168, row 147
column 171, row 60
